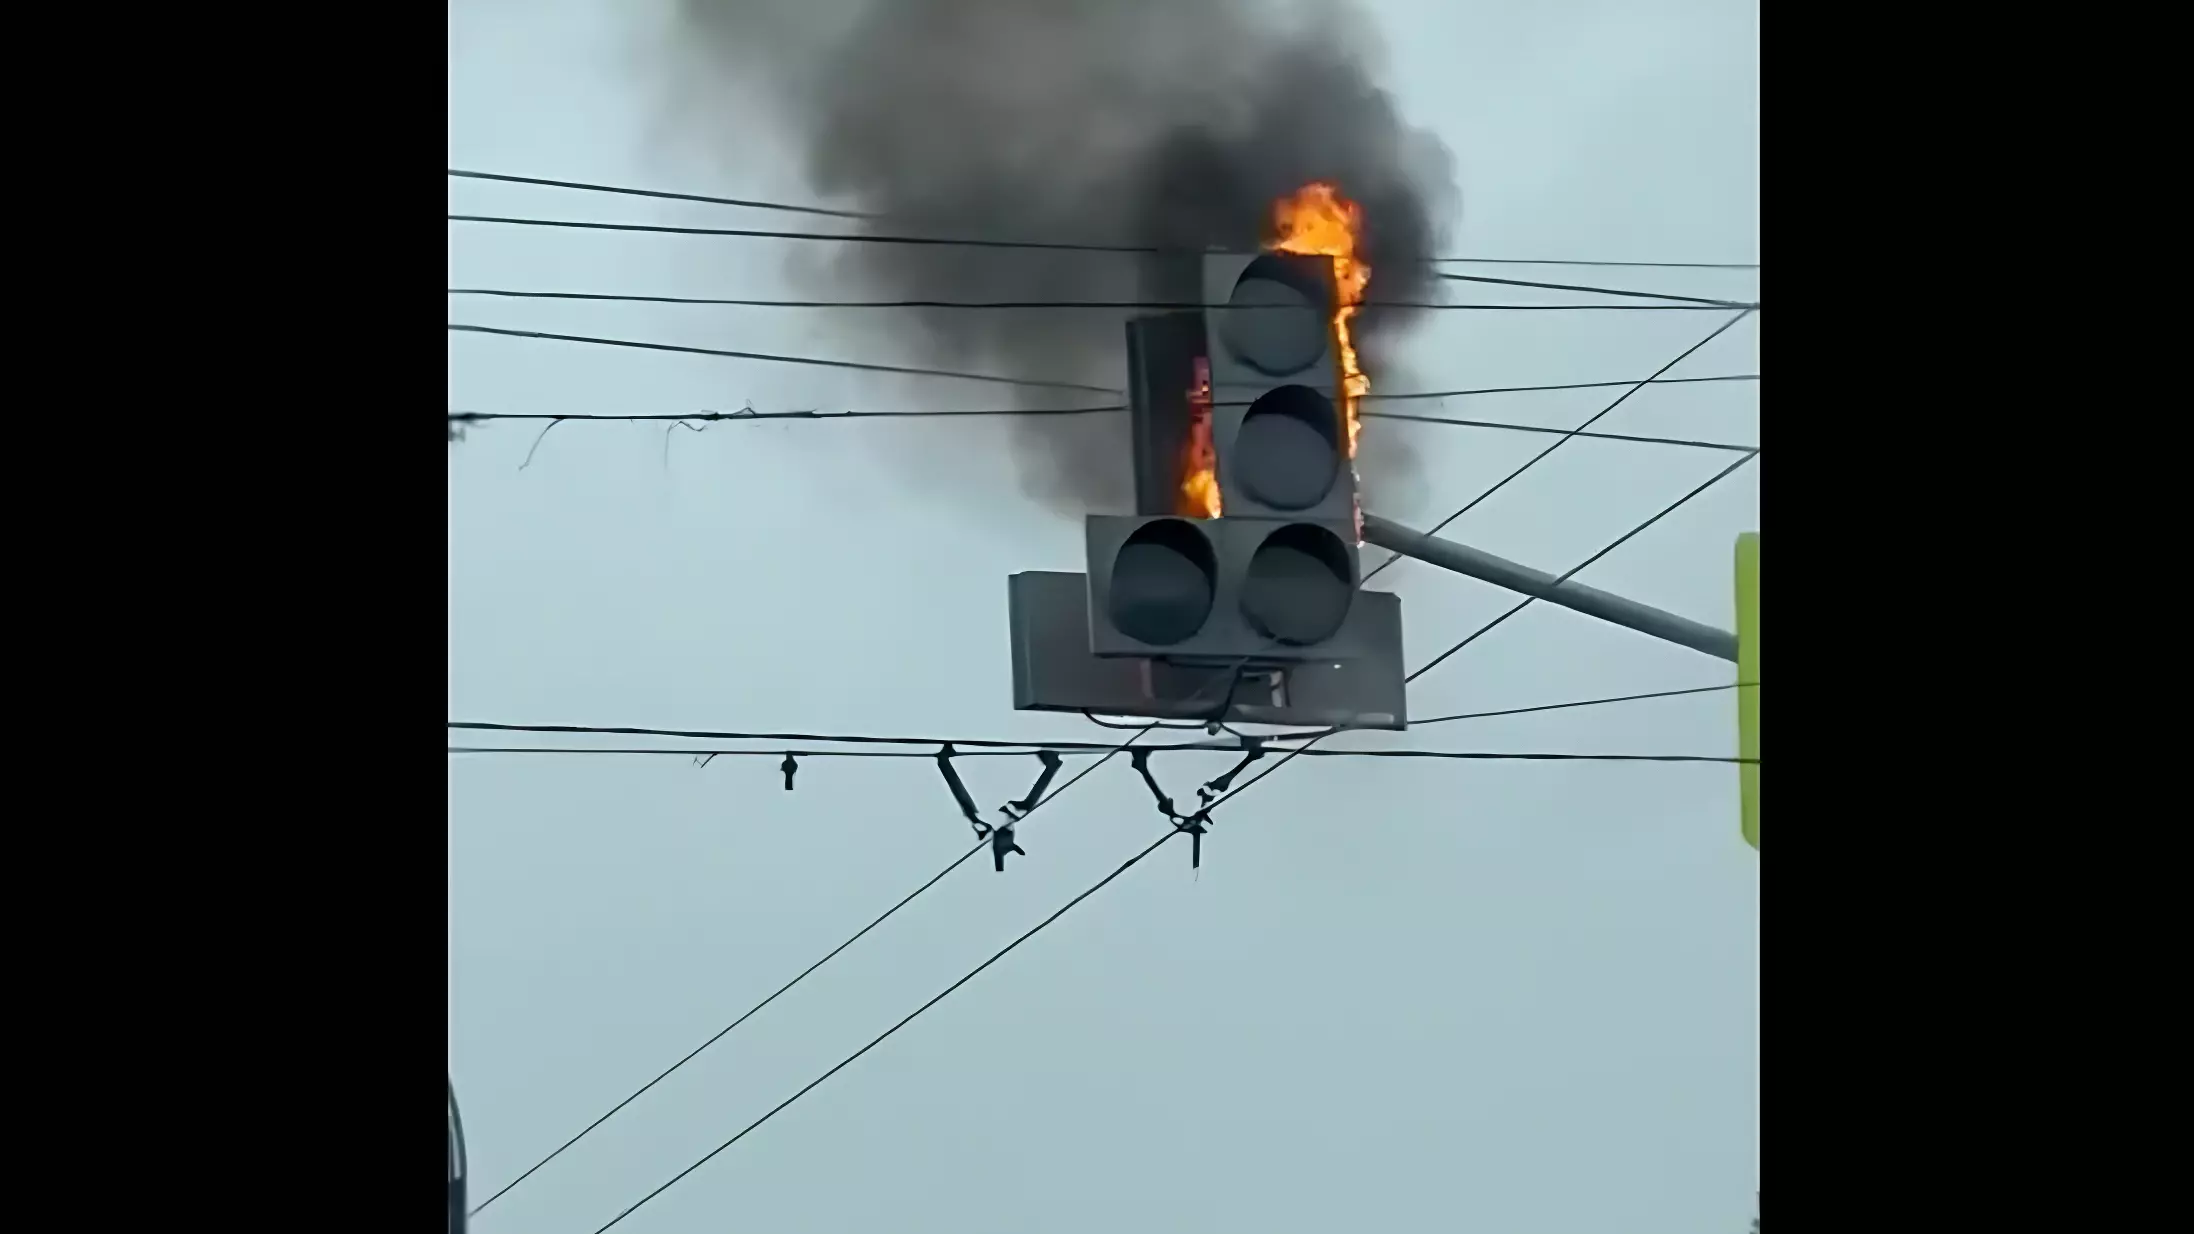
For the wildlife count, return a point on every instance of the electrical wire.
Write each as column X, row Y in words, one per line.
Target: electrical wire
column 742, row 202
column 1052, row 246
column 752, row 204
column 1570, row 385
column 1671, row 508
column 905, row 370
column 958, row 743
column 1586, row 702
column 481, row 417
column 804, row 973
column 880, row 1038
column 801, row 744
column 478, row 417
column 1272, row 745
column 837, row 237
column 1534, row 460
column 504, row 293
column 748, row 413
column 1634, row 438
column 721, row 1033
column 984, row 749
column 1601, row 291
column 981, row 748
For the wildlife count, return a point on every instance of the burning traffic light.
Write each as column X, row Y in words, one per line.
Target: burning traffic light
column 1258, row 562
column 1242, row 554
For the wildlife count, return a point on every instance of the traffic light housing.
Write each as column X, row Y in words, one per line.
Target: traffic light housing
column 1274, row 578
column 1277, row 419
column 1255, row 589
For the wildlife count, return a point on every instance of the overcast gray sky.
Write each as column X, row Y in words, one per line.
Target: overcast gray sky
column 1511, row 997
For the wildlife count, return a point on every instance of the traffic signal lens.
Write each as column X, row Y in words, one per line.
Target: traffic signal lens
column 1276, row 321
column 1287, row 453
column 1299, row 584
column 1162, row 583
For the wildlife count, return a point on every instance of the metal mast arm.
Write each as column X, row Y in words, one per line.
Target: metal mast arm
column 1590, row 601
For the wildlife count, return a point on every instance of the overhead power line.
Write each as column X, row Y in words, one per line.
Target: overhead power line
column 804, row 745
column 804, row 973
column 1585, row 702
column 994, row 379
column 742, row 202
column 752, row 204
column 719, row 1035
column 1636, row 438
column 1604, row 291
column 1490, row 756
column 1051, row 246
column 831, row 237
column 904, row 370
column 1403, row 396
column 1152, row 306
column 970, row 747
column 688, row 417
column 880, row 1038
column 1610, row 265
column 481, row 417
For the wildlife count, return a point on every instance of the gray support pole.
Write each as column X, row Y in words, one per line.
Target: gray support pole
column 1590, row 601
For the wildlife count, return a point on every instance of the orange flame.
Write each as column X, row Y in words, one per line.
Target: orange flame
column 1317, row 220
column 1199, row 496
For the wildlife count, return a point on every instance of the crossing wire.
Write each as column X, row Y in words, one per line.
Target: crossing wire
column 901, row 369
column 995, row 379
column 1055, row 246
column 480, row 417
column 1468, row 755
column 1153, row 306
column 753, row 204
column 801, row 976
column 857, row 936
column 1593, row 419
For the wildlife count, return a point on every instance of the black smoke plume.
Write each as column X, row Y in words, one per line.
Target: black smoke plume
column 1163, row 123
